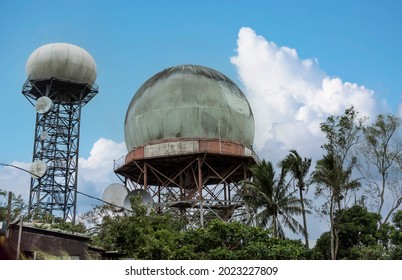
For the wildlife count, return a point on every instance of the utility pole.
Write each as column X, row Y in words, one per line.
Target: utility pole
column 19, row 240
column 8, row 217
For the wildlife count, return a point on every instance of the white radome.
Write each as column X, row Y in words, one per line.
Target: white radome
column 62, row 61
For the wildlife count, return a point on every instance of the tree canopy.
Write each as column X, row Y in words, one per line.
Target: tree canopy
column 164, row 237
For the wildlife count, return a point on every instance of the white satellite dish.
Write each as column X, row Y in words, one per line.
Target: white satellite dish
column 115, row 194
column 146, row 199
column 44, row 135
column 37, row 169
column 43, row 105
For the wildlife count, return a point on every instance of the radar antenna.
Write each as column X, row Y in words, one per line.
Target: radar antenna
column 37, row 169
column 43, row 105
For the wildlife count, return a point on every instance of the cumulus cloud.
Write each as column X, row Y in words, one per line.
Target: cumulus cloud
column 96, row 171
column 291, row 96
column 98, row 167
column 14, row 180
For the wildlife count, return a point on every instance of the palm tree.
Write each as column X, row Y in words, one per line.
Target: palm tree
column 272, row 205
column 333, row 182
column 299, row 168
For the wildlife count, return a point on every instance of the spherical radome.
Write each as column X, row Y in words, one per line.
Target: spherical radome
column 62, row 61
column 188, row 101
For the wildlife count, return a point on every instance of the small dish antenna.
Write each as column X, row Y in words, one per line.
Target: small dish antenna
column 37, row 169
column 146, row 199
column 115, row 194
column 44, row 135
column 43, row 105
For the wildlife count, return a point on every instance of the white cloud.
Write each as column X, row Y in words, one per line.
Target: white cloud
column 15, row 180
column 96, row 171
column 291, row 96
column 98, row 167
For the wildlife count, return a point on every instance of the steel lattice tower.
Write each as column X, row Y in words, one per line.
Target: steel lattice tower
column 57, row 131
column 56, row 142
column 200, row 179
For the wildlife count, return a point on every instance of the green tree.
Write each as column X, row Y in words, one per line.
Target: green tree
column 139, row 235
column 343, row 133
column 333, row 173
column 220, row 240
column 18, row 205
column 358, row 238
column 152, row 236
column 395, row 236
column 332, row 183
column 357, row 229
column 380, row 159
column 272, row 203
column 299, row 168
column 322, row 246
column 3, row 206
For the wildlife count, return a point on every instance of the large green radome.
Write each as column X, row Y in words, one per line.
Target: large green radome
column 188, row 101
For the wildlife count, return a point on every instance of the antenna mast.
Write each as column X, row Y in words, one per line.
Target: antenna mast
column 60, row 82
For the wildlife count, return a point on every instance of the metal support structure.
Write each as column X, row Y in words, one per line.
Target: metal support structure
column 56, row 142
column 199, row 186
column 199, row 190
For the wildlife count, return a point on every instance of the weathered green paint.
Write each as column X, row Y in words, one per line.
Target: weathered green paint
column 188, row 101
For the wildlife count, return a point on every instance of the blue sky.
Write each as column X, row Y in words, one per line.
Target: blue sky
column 297, row 61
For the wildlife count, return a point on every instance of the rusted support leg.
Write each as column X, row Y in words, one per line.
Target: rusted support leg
column 200, row 192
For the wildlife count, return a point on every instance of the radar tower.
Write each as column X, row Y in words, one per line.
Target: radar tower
column 189, row 132
column 61, row 80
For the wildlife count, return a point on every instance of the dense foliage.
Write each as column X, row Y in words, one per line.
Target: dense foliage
column 361, row 237
column 153, row 236
column 18, row 205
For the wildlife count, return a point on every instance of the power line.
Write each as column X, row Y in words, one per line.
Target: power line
column 111, row 204
column 22, row 169
column 84, row 194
